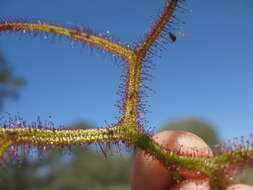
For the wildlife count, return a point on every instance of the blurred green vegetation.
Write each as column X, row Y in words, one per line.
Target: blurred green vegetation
column 9, row 83
column 62, row 169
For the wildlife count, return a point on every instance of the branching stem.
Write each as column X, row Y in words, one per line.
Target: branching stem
column 128, row 129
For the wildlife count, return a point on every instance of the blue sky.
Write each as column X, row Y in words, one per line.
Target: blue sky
column 205, row 74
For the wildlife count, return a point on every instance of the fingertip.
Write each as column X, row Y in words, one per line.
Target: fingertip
column 240, row 187
column 193, row 185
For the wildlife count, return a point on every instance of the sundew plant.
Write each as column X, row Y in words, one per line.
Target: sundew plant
column 131, row 128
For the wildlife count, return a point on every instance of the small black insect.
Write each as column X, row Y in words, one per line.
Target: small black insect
column 172, row 36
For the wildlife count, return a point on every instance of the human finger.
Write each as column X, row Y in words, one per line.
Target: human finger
column 149, row 173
